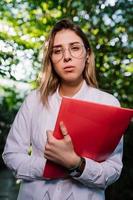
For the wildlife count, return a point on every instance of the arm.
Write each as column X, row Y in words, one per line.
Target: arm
column 94, row 174
column 102, row 174
column 15, row 154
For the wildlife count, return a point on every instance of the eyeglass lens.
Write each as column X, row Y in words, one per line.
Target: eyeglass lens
column 75, row 51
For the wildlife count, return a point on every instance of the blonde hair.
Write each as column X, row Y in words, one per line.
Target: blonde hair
column 50, row 80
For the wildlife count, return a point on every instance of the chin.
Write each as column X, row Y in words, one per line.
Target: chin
column 72, row 79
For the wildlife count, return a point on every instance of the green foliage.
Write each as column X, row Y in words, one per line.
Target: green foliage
column 26, row 25
column 10, row 102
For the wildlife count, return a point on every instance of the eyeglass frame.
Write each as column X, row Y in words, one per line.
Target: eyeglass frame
column 64, row 49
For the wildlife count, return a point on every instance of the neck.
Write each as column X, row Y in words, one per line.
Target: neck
column 70, row 89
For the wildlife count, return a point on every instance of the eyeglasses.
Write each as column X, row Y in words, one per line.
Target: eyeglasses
column 75, row 50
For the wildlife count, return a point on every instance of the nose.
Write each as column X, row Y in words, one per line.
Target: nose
column 67, row 55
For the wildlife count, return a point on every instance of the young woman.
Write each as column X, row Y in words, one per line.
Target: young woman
column 68, row 70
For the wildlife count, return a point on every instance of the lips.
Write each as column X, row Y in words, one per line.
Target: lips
column 69, row 68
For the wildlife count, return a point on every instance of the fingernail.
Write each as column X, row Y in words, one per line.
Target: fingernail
column 61, row 122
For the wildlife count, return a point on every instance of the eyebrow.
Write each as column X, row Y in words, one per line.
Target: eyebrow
column 60, row 45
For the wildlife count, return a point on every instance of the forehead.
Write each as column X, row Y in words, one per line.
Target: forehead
column 66, row 37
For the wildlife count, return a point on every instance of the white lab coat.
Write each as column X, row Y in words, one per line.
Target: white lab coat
column 29, row 127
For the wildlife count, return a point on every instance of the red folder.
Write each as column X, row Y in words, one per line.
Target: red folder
column 95, row 129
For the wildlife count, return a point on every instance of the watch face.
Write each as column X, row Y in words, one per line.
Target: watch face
column 78, row 170
column 74, row 173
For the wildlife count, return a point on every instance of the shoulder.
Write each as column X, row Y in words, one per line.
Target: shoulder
column 32, row 99
column 33, row 96
column 103, row 97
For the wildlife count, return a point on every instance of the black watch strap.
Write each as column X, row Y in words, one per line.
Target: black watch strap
column 77, row 171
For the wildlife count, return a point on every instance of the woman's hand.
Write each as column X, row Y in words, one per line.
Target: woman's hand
column 61, row 151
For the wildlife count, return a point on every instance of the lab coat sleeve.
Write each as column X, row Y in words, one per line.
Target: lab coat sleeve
column 16, row 152
column 101, row 175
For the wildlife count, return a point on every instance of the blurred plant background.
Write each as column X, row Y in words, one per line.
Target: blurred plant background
column 24, row 27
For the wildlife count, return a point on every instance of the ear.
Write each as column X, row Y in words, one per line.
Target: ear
column 87, row 58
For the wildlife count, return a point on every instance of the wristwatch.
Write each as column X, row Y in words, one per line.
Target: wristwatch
column 77, row 171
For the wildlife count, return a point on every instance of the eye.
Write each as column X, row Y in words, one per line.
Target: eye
column 57, row 51
column 75, row 48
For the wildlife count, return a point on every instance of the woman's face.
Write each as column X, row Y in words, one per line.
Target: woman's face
column 68, row 56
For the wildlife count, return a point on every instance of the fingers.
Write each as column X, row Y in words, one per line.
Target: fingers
column 49, row 143
column 50, row 136
column 49, row 133
column 63, row 129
